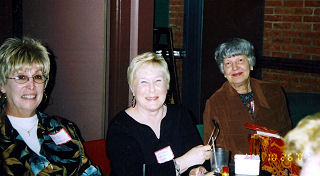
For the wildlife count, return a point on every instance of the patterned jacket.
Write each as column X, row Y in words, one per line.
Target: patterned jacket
column 64, row 159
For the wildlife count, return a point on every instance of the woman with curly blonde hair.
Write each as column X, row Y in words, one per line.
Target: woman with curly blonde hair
column 303, row 143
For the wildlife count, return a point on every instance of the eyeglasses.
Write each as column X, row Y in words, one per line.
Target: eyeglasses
column 21, row 79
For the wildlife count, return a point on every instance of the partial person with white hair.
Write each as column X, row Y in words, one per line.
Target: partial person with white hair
column 303, row 144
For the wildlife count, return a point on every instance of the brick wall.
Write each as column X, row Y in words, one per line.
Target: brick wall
column 292, row 30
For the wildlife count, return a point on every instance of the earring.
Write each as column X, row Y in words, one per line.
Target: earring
column 133, row 102
column 45, row 96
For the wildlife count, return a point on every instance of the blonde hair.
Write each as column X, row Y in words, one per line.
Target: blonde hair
column 17, row 54
column 304, row 139
column 146, row 59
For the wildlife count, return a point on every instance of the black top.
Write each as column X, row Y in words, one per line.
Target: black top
column 131, row 144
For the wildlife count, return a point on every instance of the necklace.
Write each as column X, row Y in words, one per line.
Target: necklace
column 28, row 131
column 24, row 126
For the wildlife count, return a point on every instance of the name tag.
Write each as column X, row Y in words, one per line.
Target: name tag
column 164, row 155
column 60, row 137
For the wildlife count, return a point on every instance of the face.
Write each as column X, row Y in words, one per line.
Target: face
column 237, row 69
column 149, row 88
column 23, row 99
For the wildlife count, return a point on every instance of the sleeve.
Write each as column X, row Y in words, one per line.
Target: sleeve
column 209, row 114
column 126, row 157
column 85, row 167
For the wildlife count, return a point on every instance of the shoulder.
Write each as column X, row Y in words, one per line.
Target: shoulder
column 220, row 93
column 53, row 120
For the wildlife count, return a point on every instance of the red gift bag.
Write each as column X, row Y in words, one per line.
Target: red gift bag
column 272, row 155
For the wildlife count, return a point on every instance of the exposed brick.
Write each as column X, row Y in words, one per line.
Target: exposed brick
column 316, row 27
column 300, row 74
column 267, row 39
column 272, row 18
column 315, row 35
column 317, row 11
column 316, row 58
column 288, row 78
column 279, row 54
column 301, row 56
column 271, row 47
column 280, row 71
column 273, row 3
column 281, row 40
column 315, row 88
column 312, row 3
column 266, row 53
column 176, row 2
column 270, row 76
column 281, row 25
column 176, row 8
column 284, row 10
column 297, row 3
column 267, row 25
column 292, row 18
column 176, row 15
column 176, row 21
column 302, row 41
column 302, row 26
column 268, row 11
column 303, row 11
column 310, row 80
column 291, row 48
column 316, row 42
column 311, row 50
column 292, row 34
column 268, row 32
column 311, row 19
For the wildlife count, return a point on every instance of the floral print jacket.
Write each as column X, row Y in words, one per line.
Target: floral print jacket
column 66, row 158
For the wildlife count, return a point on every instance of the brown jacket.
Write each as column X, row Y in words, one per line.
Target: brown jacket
column 226, row 108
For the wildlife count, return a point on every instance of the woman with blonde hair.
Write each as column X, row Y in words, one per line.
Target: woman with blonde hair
column 150, row 137
column 303, row 144
column 32, row 142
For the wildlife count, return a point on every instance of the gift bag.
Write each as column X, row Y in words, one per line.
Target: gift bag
column 271, row 148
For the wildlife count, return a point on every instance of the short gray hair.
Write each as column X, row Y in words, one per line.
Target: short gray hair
column 234, row 47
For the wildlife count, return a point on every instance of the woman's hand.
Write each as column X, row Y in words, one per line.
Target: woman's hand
column 197, row 171
column 195, row 156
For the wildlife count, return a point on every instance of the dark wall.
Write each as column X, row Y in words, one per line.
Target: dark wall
column 6, row 20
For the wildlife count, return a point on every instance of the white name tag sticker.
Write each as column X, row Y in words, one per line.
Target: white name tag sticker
column 60, row 137
column 164, row 155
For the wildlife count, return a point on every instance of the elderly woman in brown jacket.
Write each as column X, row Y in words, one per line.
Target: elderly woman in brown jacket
column 242, row 99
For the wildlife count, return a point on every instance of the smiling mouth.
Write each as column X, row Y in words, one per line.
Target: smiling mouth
column 28, row 96
column 152, row 98
column 237, row 74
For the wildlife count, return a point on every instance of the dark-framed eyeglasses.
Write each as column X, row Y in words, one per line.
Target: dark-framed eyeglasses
column 21, row 79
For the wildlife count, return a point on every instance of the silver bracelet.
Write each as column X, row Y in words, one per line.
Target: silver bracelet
column 177, row 167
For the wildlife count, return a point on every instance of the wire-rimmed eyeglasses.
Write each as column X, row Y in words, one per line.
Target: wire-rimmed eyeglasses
column 21, row 79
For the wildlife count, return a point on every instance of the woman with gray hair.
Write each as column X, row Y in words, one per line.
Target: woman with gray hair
column 32, row 142
column 242, row 99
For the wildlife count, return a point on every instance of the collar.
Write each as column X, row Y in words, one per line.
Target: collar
column 256, row 87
